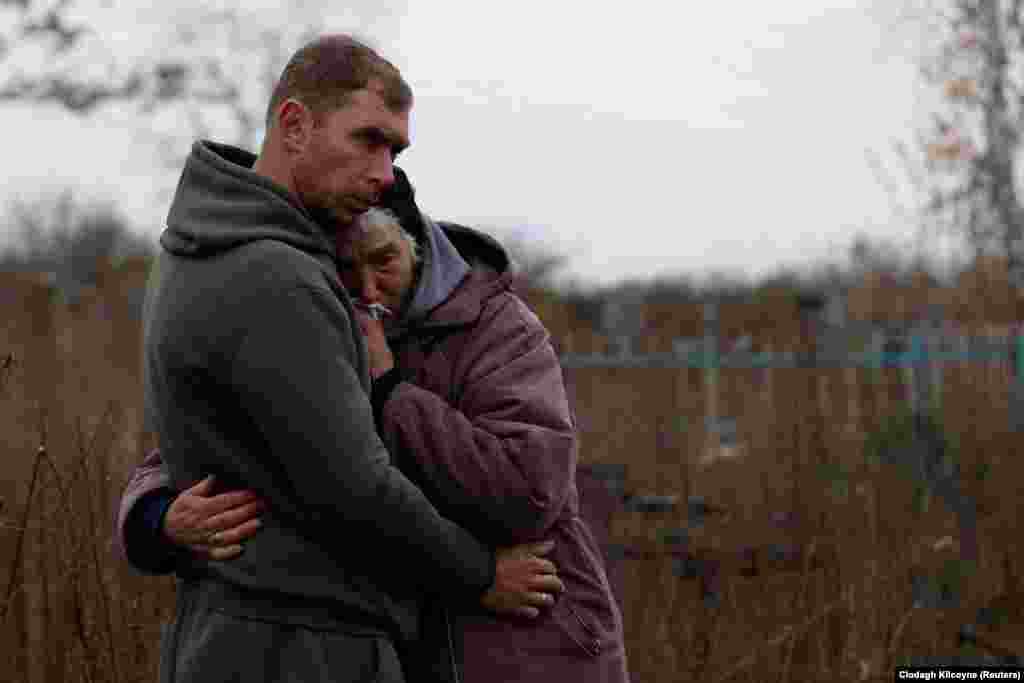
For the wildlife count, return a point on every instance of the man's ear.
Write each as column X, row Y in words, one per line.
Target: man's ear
column 295, row 123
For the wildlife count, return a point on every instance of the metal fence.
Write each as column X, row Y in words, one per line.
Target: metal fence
column 921, row 348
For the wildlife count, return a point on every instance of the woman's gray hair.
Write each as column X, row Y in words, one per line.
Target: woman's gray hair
column 377, row 219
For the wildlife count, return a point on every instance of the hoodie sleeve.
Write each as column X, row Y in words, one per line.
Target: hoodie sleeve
column 503, row 460
column 295, row 374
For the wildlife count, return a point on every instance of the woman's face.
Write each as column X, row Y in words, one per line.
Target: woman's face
column 377, row 266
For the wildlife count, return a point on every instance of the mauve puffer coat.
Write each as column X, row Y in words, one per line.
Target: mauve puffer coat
column 485, row 429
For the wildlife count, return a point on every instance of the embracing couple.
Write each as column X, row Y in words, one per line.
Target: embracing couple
column 367, row 461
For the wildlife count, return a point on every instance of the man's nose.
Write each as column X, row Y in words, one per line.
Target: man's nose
column 382, row 173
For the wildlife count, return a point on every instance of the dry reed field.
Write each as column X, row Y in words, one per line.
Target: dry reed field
column 811, row 560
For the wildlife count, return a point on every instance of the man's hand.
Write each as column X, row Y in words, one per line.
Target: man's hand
column 381, row 358
column 524, row 581
column 212, row 527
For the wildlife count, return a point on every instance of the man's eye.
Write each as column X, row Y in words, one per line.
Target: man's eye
column 374, row 139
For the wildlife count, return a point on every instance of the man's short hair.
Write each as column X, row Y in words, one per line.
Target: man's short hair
column 325, row 72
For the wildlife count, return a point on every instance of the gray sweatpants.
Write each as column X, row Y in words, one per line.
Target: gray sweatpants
column 207, row 645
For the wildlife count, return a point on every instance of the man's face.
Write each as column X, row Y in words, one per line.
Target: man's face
column 377, row 267
column 347, row 163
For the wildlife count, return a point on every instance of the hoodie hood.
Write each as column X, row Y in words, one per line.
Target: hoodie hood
column 441, row 270
column 479, row 249
column 449, row 254
column 221, row 203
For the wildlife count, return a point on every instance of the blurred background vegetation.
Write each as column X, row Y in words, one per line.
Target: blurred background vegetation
column 763, row 523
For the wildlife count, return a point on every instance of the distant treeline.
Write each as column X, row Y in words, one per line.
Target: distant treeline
column 71, row 239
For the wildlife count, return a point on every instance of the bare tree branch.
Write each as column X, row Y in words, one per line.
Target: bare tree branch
column 216, row 66
column 972, row 57
column 74, row 96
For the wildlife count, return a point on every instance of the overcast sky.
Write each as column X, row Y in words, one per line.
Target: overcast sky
column 641, row 138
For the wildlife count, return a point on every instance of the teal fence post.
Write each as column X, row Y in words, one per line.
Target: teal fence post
column 1017, row 390
column 711, row 359
column 711, row 377
column 912, row 362
column 933, row 369
column 876, row 358
column 1019, row 339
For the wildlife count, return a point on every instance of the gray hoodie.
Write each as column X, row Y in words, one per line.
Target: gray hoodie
column 254, row 372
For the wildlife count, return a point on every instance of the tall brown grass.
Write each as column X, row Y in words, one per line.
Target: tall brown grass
column 840, row 608
column 69, row 410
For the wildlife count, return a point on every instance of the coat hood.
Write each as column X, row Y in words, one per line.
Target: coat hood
column 221, row 203
column 478, row 248
column 450, row 255
column 442, row 269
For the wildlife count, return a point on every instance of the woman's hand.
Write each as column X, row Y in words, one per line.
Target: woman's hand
column 381, row 358
column 212, row 527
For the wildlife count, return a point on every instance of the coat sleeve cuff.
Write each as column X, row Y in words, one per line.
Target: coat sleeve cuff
column 381, row 390
column 145, row 544
column 491, row 576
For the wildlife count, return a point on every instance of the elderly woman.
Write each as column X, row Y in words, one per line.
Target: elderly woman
column 469, row 398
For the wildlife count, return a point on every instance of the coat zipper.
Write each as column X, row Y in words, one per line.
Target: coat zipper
column 595, row 649
column 451, row 646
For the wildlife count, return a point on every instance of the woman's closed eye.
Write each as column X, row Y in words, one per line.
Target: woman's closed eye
column 383, row 257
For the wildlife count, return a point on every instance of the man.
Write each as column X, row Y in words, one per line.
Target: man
column 476, row 414
column 256, row 373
